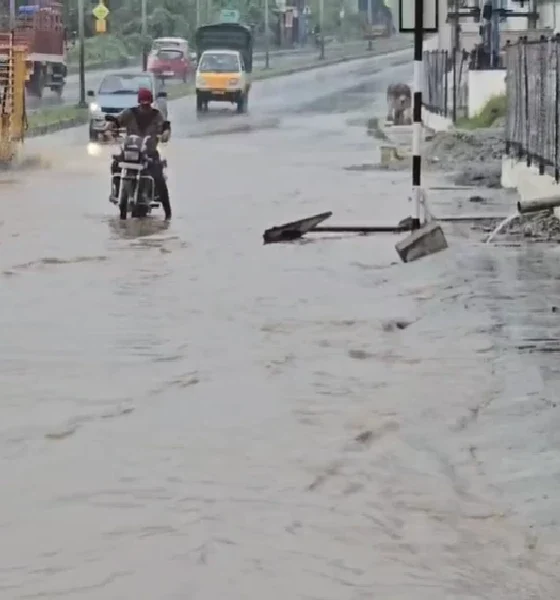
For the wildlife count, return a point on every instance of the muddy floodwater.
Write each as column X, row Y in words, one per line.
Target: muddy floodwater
column 190, row 415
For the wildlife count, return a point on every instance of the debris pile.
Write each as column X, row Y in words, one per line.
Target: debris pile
column 473, row 156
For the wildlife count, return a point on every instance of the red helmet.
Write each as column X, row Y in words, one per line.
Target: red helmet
column 145, row 96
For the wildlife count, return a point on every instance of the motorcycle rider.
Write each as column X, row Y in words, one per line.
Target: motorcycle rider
column 143, row 120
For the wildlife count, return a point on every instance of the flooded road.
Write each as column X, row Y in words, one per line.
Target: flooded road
column 278, row 59
column 187, row 414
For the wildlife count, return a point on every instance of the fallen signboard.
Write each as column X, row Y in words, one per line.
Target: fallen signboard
column 424, row 239
column 295, row 230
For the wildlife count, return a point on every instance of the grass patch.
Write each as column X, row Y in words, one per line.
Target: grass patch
column 495, row 108
column 55, row 115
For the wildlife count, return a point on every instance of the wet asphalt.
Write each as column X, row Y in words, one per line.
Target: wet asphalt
column 277, row 59
column 190, row 414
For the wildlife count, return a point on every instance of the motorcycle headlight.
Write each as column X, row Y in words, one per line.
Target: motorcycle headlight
column 131, row 155
column 94, row 107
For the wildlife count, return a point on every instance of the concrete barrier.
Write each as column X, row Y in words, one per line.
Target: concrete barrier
column 436, row 122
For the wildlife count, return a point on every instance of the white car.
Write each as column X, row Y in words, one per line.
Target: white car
column 176, row 43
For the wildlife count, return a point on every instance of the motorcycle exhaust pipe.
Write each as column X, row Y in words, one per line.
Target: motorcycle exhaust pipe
column 537, row 204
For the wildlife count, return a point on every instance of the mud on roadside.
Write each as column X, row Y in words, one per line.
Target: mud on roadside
column 473, row 158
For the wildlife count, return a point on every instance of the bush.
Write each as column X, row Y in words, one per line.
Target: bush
column 99, row 49
column 494, row 109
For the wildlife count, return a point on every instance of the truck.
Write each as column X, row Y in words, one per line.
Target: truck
column 39, row 28
column 224, row 64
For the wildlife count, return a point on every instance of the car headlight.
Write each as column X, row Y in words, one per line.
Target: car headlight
column 94, row 107
column 200, row 81
column 233, row 82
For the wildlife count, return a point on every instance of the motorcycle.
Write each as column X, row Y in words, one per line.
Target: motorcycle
column 137, row 192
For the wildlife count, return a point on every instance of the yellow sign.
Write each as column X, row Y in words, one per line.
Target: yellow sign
column 100, row 12
column 101, row 26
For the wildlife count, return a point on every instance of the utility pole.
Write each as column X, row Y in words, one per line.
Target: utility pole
column 82, row 65
column 321, row 26
column 266, row 37
column 457, row 30
column 144, row 33
column 12, row 15
column 370, row 24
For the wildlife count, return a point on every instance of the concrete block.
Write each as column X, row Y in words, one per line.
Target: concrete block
column 389, row 154
column 427, row 240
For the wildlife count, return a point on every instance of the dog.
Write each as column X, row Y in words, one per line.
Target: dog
column 399, row 103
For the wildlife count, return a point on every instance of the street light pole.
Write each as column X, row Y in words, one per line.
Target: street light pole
column 266, row 37
column 144, row 33
column 82, row 66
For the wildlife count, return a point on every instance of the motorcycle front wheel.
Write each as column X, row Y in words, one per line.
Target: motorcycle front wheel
column 126, row 193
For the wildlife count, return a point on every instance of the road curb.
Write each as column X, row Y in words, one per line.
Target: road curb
column 70, row 123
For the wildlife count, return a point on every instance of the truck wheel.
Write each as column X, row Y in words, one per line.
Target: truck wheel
column 242, row 104
column 37, row 82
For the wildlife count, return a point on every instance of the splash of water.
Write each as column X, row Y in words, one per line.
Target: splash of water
column 501, row 226
column 94, row 149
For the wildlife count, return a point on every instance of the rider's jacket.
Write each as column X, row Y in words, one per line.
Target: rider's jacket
column 142, row 123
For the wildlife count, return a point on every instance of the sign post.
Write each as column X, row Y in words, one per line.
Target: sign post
column 100, row 12
column 419, row 17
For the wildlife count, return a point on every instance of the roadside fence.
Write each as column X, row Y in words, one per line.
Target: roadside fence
column 441, row 70
column 533, row 103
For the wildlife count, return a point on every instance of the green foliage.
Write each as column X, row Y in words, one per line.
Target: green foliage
column 178, row 18
column 55, row 115
column 101, row 49
column 494, row 109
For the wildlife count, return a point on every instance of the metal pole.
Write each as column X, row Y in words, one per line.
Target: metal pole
column 455, row 48
column 321, row 24
column 197, row 14
column 12, row 15
column 144, row 32
column 266, row 37
column 417, row 112
column 82, row 66
column 370, row 23
column 208, row 11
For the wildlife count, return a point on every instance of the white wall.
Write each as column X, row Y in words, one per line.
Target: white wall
column 435, row 122
column 430, row 43
column 483, row 85
column 549, row 14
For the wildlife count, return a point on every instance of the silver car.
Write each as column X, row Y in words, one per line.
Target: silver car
column 118, row 91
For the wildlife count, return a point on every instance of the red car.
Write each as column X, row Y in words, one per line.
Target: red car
column 170, row 63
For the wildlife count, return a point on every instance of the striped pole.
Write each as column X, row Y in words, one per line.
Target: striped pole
column 417, row 111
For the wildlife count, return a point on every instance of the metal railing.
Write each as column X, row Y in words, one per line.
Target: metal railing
column 533, row 103
column 445, row 72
